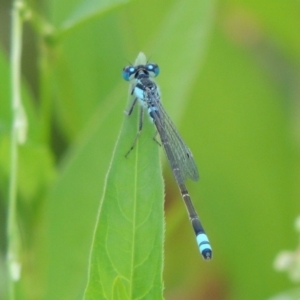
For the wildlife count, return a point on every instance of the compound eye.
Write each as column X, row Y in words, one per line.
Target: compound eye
column 153, row 69
column 128, row 73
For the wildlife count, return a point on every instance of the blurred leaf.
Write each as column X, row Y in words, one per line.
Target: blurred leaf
column 36, row 170
column 83, row 78
column 192, row 22
column 87, row 10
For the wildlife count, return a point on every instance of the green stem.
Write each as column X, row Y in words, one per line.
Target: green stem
column 18, row 135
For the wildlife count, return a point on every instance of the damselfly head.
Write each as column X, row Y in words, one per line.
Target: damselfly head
column 131, row 72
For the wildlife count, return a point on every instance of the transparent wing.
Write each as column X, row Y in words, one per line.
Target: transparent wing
column 179, row 150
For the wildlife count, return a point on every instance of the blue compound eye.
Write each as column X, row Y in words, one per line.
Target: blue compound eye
column 128, row 73
column 153, row 69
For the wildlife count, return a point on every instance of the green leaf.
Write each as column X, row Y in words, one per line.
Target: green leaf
column 86, row 11
column 126, row 258
column 192, row 22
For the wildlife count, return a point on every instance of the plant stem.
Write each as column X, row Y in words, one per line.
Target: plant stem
column 18, row 135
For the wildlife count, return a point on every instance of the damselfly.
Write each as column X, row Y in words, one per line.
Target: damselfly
column 179, row 155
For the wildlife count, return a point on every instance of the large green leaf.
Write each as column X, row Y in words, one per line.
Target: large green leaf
column 127, row 252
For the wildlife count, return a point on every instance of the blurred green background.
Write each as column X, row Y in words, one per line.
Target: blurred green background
column 230, row 78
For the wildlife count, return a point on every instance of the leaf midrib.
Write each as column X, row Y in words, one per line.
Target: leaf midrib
column 136, row 149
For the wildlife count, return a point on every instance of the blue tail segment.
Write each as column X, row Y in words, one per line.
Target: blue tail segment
column 204, row 246
column 202, row 239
